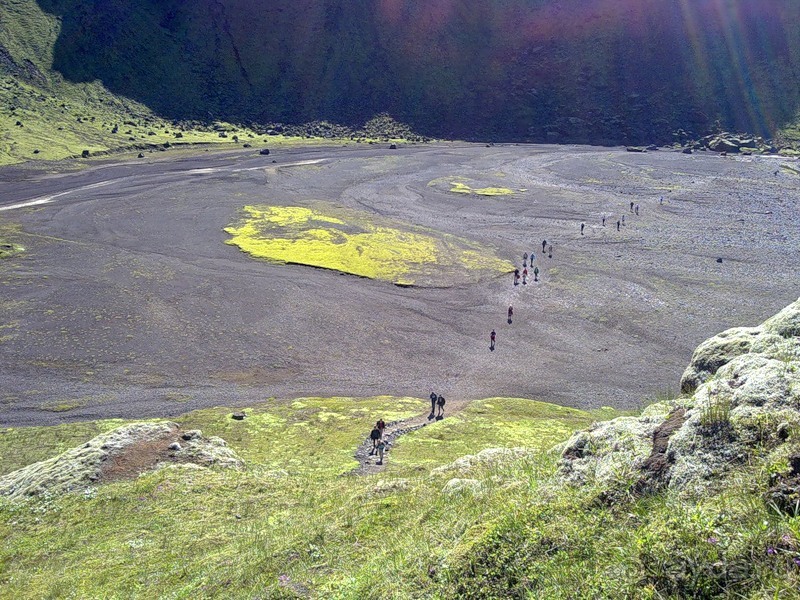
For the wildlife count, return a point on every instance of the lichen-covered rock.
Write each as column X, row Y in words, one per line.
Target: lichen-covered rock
column 485, row 458
column 745, row 402
column 610, row 450
column 462, row 486
column 123, row 452
column 715, row 352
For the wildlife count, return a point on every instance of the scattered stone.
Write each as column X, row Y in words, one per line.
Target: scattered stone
column 238, row 416
column 393, row 147
column 192, row 434
column 85, row 154
column 247, row 146
column 719, row 260
column 687, row 150
column 174, row 446
column 635, row 149
column 140, row 155
column 36, row 151
column 264, row 152
column 18, row 124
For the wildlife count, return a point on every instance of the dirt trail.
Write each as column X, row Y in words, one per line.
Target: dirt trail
column 368, row 463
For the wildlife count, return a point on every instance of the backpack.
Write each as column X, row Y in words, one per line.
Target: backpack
column 375, row 434
column 440, row 402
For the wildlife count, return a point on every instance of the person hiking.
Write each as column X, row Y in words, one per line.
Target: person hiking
column 631, row 206
column 604, row 220
column 544, row 245
column 440, row 404
column 381, row 447
column 492, row 337
column 516, row 276
column 380, row 425
column 550, row 251
column 525, row 276
column 582, row 226
column 536, row 273
column 525, row 260
column 623, row 220
column 636, row 209
column 375, row 436
column 510, row 313
column 617, row 224
column 433, row 402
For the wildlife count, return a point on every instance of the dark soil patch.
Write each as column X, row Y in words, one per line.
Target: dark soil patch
column 657, row 466
column 140, row 457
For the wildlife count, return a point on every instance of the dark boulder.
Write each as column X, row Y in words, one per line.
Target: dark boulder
column 264, row 152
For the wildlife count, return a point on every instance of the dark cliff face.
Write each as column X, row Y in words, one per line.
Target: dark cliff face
column 601, row 71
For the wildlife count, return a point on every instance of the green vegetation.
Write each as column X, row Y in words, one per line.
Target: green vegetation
column 293, row 524
column 360, row 244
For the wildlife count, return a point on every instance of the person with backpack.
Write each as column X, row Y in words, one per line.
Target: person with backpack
column 440, row 404
column 492, row 337
column 380, row 425
column 510, row 313
column 525, row 276
column 536, row 273
column 381, row 448
column 433, row 403
column 375, row 436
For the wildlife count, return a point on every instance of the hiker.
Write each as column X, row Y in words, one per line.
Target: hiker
column 375, row 436
column 380, row 425
column 623, row 220
column 433, row 402
column 544, row 245
column 491, row 339
column 525, row 260
column 381, row 447
column 516, row 276
column 631, row 206
column 440, row 404
column 582, row 226
column 604, row 220
column 536, row 273
column 525, row 276
column 550, row 251
column 661, row 200
column 636, row 208
column 617, row 224
column 510, row 313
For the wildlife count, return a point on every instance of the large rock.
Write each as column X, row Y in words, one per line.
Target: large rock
column 121, row 453
column 745, row 402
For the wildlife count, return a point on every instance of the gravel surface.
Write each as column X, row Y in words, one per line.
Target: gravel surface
column 128, row 303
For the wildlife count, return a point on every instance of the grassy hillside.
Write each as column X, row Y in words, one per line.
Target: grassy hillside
column 294, row 524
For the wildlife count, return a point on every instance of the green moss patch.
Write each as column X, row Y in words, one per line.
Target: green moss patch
column 362, row 244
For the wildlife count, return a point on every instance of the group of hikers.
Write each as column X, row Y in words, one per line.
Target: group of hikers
column 379, row 443
column 547, row 249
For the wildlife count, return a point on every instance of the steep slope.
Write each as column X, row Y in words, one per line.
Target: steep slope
column 583, row 70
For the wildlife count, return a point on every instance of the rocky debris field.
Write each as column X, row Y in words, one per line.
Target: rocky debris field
column 126, row 300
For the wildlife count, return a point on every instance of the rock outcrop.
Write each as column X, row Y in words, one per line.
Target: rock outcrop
column 122, row 453
column 744, row 403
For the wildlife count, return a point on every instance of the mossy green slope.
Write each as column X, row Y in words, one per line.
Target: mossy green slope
column 289, row 525
column 361, row 244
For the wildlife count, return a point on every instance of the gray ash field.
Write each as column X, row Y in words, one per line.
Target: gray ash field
column 127, row 302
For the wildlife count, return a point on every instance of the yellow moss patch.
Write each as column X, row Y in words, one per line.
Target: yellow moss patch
column 461, row 185
column 360, row 244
